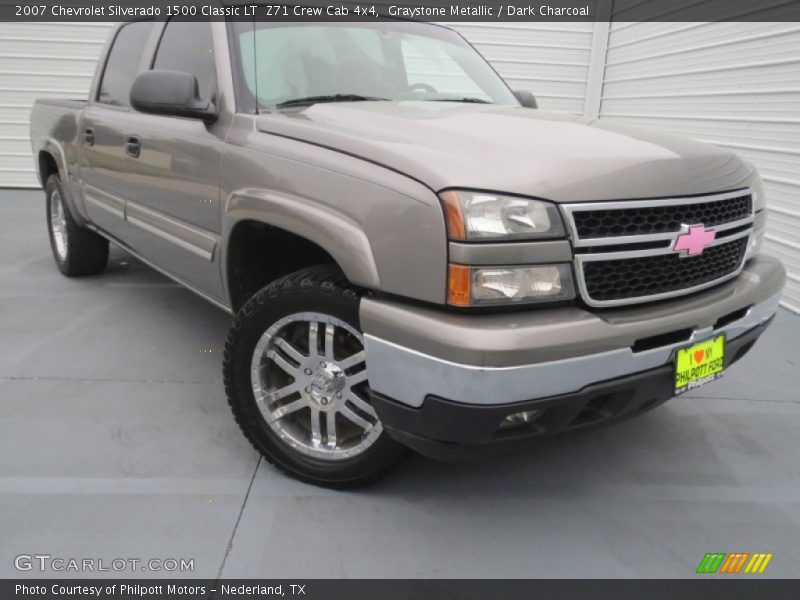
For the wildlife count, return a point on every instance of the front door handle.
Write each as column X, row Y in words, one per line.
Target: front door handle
column 88, row 136
column 133, row 146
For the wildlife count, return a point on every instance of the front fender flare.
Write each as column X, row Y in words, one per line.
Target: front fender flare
column 339, row 236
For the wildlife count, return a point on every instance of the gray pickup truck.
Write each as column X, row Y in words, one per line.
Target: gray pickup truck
column 414, row 255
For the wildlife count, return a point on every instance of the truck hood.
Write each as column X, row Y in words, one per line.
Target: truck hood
column 514, row 150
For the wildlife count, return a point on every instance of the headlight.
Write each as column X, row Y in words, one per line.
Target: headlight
column 485, row 286
column 482, row 216
column 760, row 224
column 759, row 198
column 757, row 237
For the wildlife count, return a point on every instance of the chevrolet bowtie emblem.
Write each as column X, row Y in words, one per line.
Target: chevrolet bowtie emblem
column 693, row 240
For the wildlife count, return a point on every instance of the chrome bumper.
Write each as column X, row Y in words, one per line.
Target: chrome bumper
column 408, row 375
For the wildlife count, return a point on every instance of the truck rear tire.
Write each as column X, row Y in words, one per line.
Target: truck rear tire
column 296, row 380
column 76, row 250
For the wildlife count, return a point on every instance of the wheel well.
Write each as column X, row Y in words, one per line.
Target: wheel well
column 47, row 166
column 258, row 254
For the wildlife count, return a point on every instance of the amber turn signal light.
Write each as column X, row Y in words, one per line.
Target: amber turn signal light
column 458, row 286
column 455, row 219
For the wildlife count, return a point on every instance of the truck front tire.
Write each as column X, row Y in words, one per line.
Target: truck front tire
column 76, row 250
column 296, row 380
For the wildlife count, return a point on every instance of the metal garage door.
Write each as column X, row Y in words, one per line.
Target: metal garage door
column 733, row 84
column 39, row 60
column 549, row 59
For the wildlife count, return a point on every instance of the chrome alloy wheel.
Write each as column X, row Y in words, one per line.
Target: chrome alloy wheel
column 309, row 375
column 58, row 225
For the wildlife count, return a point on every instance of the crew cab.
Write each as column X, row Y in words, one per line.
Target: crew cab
column 414, row 255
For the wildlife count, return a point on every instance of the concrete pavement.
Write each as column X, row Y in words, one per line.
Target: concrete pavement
column 117, row 442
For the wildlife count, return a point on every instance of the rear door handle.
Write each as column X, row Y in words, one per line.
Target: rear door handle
column 133, row 146
column 88, row 136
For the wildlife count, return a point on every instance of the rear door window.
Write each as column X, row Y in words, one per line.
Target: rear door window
column 122, row 65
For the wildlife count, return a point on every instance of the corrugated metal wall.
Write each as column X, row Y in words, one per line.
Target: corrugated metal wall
column 39, row 60
column 736, row 85
column 549, row 59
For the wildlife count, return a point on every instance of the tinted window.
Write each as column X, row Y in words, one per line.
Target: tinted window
column 189, row 47
column 122, row 65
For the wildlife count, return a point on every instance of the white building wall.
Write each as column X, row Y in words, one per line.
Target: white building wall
column 40, row 60
column 549, row 59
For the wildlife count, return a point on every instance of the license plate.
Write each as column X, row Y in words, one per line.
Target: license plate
column 699, row 364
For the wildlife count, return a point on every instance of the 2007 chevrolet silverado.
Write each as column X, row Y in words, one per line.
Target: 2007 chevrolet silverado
column 415, row 256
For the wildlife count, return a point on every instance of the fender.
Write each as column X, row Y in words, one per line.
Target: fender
column 52, row 147
column 340, row 237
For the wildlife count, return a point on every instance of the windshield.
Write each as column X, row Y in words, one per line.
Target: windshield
column 281, row 63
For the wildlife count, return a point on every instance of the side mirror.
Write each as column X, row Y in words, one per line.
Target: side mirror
column 170, row 93
column 526, row 98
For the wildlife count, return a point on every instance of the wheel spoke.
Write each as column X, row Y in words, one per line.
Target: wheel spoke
column 352, row 416
column 290, row 350
column 316, row 428
column 359, row 377
column 352, row 361
column 313, row 346
column 288, row 409
column 362, row 405
column 282, row 393
column 330, row 422
column 279, row 360
column 330, row 330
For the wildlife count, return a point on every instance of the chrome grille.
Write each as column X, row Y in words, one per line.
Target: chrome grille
column 647, row 220
column 624, row 250
column 661, row 273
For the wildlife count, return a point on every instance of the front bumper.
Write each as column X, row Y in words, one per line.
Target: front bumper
column 445, row 429
column 427, row 367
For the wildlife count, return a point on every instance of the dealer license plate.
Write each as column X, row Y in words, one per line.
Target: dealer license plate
column 699, row 364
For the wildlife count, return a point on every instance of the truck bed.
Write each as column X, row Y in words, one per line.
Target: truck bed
column 54, row 126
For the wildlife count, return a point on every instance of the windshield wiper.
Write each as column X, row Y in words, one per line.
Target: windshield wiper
column 331, row 98
column 466, row 100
